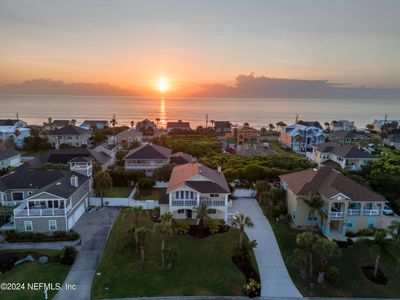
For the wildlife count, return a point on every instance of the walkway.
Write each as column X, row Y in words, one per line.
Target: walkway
column 275, row 279
column 94, row 228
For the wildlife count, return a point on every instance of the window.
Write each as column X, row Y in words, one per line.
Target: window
column 182, row 194
column 311, row 217
column 371, row 223
column 181, row 211
column 52, row 225
column 214, row 195
column 187, row 194
column 17, row 196
column 211, row 211
column 349, row 223
column 28, row 225
column 177, row 195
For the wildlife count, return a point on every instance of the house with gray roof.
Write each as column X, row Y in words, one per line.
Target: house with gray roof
column 147, row 158
column 222, row 126
column 349, row 137
column 392, row 140
column 71, row 135
column 345, row 125
column 14, row 130
column 95, row 124
column 342, row 156
column 48, row 200
column 194, row 184
column 179, row 125
column 127, row 137
column 9, row 158
column 181, row 158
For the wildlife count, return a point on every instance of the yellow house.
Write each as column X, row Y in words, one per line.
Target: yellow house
column 349, row 206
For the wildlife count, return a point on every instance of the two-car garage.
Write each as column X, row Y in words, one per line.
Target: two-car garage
column 74, row 215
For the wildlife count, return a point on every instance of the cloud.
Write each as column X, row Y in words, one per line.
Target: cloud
column 58, row 87
column 266, row 87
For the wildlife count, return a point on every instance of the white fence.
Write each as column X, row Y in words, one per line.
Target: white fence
column 244, row 193
column 161, row 184
column 125, row 202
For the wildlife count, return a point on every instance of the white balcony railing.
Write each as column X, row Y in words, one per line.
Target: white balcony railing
column 353, row 212
column 337, row 214
column 371, row 212
column 212, row 202
column 193, row 202
column 190, row 202
column 22, row 211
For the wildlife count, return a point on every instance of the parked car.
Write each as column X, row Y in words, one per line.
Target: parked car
column 387, row 210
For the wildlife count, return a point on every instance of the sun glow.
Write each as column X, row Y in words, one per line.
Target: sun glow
column 162, row 85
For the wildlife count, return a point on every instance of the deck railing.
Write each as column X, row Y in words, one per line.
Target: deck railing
column 371, row 212
column 353, row 212
column 337, row 214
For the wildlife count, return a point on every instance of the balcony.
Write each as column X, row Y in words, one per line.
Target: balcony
column 193, row 202
column 187, row 202
column 336, row 214
column 353, row 212
column 212, row 202
column 371, row 212
column 22, row 211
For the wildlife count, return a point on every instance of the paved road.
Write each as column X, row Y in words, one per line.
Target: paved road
column 94, row 228
column 275, row 279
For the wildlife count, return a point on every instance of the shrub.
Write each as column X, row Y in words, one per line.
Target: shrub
column 213, row 226
column 182, row 227
column 332, row 273
column 146, row 183
column 15, row 237
column 276, row 211
column 68, row 256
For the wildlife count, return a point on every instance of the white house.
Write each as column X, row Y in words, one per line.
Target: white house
column 15, row 129
column 9, row 158
column 191, row 185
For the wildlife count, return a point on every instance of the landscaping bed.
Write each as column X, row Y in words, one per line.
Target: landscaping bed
column 28, row 237
column 148, row 194
column 204, row 266
column 369, row 273
column 118, row 192
column 202, row 232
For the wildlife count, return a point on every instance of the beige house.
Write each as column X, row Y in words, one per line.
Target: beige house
column 349, row 206
column 191, row 185
column 128, row 137
column 243, row 138
column 70, row 135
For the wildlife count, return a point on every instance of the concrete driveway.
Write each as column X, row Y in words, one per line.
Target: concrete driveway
column 94, row 228
column 387, row 220
column 275, row 279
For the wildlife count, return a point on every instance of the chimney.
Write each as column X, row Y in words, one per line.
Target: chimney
column 74, row 181
column 219, row 169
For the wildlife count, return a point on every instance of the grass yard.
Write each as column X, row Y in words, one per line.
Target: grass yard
column 389, row 151
column 33, row 272
column 119, row 192
column 204, row 266
column 148, row 194
column 278, row 149
column 352, row 282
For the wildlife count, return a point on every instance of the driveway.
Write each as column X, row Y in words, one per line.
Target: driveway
column 275, row 279
column 387, row 220
column 94, row 228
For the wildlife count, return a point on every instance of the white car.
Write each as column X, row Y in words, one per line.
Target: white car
column 387, row 210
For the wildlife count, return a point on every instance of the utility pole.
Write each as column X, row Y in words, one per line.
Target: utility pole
column 297, row 118
column 206, row 120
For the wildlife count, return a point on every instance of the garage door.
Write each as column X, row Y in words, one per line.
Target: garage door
column 76, row 215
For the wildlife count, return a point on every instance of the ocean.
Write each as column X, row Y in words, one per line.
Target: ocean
column 258, row 112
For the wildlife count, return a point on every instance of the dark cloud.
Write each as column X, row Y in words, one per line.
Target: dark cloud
column 266, row 87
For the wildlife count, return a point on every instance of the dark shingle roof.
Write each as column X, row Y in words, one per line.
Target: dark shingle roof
column 180, row 158
column 178, row 125
column 69, row 129
column 26, row 179
column 149, row 151
column 311, row 124
column 7, row 153
column 345, row 151
column 8, row 122
column 344, row 134
column 222, row 124
column 328, row 182
column 206, row 187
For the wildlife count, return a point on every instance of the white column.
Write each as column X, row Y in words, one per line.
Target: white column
column 170, row 199
column 226, row 199
column 198, row 199
column 226, row 217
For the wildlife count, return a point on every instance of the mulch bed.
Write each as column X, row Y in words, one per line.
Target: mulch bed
column 369, row 273
column 202, row 232
column 8, row 259
column 244, row 265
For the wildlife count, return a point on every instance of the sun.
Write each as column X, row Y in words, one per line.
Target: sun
column 162, row 85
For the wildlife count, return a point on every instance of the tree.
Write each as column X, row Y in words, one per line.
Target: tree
column 325, row 250
column 306, row 242
column 163, row 173
column 157, row 121
column 271, row 126
column 124, row 144
column 201, row 214
column 113, row 121
column 170, row 253
column 212, row 123
column 138, row 216
column 73, row 122
column 102, row 183
column 316, row 204
column 132, row 123
column 394, row 125
column 379, row 243
column 141, row 234
column 394, row 228
column 49, row 120
column 299, row 140
column 240, row 221
column 370, row 127
column 165, row 230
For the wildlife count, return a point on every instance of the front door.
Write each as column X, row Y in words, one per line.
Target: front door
column 189, row 213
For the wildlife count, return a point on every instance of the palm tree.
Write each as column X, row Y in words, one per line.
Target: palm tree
column 307, row 241
column 240, row 221
column 212, row 123
column 138, row 216
column 113, row 121
column 132, row 123
column 201, row 213
column 170, row 253
column 326, row 250
column 73, row 122
column 394, row 228
column 157, row 121
column 379, row 244
column 167, row 218
column 102, row 183
column 271, row 127
column 165, row 230
column 49, row 119
column 141, row 234
column 316, row 204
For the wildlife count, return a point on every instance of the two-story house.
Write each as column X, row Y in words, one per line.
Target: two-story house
column 301, row 137
column 345, row 125
column 71, row 135
column 243, row 138
column 178, row 126
column 349, row 137
column 127, row 137
column 190, row 186
column 94, row 124
column 349, row 206
column 55, row 124
column 48, row 200
column 147, row 158
column 343, row 156
column 14, row 130
column 222, row 126
column 380, row 125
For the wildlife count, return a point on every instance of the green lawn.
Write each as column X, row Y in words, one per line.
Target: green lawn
column 389, row 151
column 33, row 272
column 32, row 153
column 119, row 192
column 352, row 282
column 278, row 149
column 204, row 266
column 148, row 194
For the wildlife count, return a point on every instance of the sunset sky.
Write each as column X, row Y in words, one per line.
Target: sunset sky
column 131, row 44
